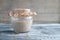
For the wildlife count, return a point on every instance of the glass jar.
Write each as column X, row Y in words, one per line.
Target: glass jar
column 21, row 24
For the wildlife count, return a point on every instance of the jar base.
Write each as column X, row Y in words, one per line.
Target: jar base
column 21, row 32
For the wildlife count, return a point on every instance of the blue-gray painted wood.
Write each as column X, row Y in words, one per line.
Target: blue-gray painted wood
column 37, row 32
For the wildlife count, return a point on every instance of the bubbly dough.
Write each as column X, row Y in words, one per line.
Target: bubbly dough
column 22, row 12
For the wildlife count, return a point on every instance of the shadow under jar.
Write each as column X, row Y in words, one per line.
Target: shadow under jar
column 21, row 24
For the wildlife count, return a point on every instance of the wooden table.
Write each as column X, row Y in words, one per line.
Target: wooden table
column 37, row 32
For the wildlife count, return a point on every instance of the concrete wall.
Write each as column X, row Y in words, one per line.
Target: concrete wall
column 47, row 10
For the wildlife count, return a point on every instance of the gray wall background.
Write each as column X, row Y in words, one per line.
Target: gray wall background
column 48, row 10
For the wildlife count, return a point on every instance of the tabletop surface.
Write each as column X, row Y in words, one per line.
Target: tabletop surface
column 37, row 32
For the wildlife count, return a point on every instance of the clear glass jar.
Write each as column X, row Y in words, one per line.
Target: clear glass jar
column 21, row 24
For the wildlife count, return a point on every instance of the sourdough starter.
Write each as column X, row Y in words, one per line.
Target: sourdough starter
column 21, row 19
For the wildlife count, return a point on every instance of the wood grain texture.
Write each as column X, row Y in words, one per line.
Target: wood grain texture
column 47, row 10
column 37, row 32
